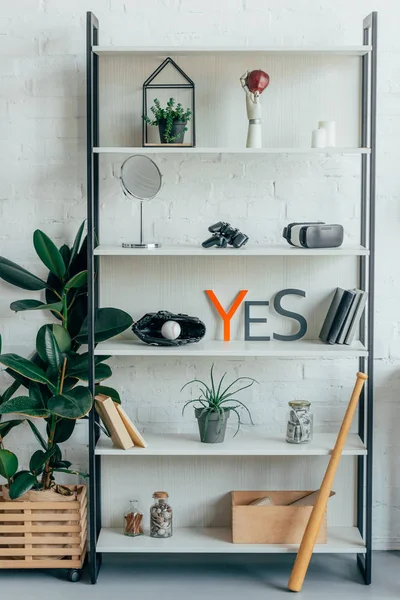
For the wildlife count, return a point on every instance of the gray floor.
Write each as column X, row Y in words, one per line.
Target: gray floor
column 204, row 577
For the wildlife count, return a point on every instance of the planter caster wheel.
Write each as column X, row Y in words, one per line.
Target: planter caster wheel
column 74, row 575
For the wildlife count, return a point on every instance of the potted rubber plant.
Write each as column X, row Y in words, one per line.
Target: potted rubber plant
column 51, row 378
column 171, row 121
column 216, row 403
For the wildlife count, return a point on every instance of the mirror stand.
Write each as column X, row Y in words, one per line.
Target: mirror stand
column 141, row 243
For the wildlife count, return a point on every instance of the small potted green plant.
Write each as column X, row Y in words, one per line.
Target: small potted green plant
column 216, row 405
column 171, row 121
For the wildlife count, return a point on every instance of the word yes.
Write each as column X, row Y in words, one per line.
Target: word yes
column 227, row 316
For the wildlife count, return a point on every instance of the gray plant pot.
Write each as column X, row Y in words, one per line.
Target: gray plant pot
column 178, row 127
column 211, row 427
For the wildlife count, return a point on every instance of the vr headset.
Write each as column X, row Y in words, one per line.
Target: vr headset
column 313, row 235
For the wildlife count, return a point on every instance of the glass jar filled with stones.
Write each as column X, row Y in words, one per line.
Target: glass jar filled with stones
column 133, row 518
column 160, row 516
column 300, row 422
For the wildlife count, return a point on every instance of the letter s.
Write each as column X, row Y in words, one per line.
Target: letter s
column 292, row 315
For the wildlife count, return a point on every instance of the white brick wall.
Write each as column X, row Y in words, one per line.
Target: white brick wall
column 42, row 109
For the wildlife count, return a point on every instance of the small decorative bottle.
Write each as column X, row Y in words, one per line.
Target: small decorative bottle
column 300, row 422
column 133, row 518
column 160, row 516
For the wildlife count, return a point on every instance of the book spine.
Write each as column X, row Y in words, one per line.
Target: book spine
column 346, row 325
column 340, row 316
column 330, row 315
column 356, row 319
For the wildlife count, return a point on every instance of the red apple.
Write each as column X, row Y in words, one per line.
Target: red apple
column 257, row 81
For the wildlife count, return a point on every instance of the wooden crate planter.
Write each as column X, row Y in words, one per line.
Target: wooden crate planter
column 33, row 535
column 278, row 524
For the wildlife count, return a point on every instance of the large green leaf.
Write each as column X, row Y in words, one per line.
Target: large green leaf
column 35, row 359
column 64, row 430
column 61, row 336
column 72, row 405
column 55, row 284
column 79, row 263
column 16, row 275
column 10, row 391
column 8, row 464
column 63, row 464
column 39, row 459
column 77, row 243
column 7, row 426
column 101, row 372
column 35, row 463
column 21, row 305
column 66, row 254
column 37, row 434
column 48, row 253
column 77, row 281
column 108, row 391
column 71, row 472
column 23, row 482
column 52, row 351
column 24, row 367
column 108, row 323
column 24, row 405
column 69, row 383
column 76, row 317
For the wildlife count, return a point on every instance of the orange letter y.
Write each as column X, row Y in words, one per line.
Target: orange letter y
column 227, row 316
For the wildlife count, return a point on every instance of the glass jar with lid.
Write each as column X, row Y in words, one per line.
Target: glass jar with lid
column 300, row 422
column 160, row 516
column 133, row 518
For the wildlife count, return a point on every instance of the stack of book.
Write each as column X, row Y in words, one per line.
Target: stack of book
column 121, row 430
column 343, row 317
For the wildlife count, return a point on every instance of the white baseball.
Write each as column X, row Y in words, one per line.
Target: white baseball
column 171, row 330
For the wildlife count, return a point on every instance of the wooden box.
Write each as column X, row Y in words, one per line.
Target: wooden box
column 278, row 524
column 44, row 535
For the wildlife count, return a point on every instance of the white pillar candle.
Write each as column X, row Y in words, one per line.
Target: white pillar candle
column 330, row 128
column 318, row 138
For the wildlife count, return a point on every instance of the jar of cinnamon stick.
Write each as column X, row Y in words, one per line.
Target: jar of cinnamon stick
column 133, row 518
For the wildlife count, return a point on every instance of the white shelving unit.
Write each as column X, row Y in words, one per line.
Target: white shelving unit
column 239, row 50
column 123, row 137
column 238, row 348
column 218, row 540
column 248, row 250
column 250, row 443
column 240, row 151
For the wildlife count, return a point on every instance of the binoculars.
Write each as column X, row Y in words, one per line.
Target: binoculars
column 224, row 234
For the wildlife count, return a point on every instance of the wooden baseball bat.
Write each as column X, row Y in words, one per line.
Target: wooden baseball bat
column 314, row 523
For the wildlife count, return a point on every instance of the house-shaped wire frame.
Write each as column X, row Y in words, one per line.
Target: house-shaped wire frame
column 148, row 85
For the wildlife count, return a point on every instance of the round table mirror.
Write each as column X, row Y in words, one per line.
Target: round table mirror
column 140, row 179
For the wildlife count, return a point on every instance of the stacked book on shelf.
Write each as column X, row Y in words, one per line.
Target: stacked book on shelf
column 343, row 317
column 121, row 430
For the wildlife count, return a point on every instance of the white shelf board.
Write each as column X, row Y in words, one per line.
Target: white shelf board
column 208, row 50
column 200, row 150
column 276, row 349
column 249, row 443
column 248, row 250
column 216, row 540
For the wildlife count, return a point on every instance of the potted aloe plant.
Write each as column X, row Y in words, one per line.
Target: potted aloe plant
column 51, row 377
column 171, row 121
column 216, row 405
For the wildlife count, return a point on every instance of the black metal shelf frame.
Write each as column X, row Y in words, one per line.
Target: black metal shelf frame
column 366, row 282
